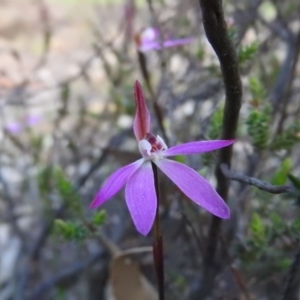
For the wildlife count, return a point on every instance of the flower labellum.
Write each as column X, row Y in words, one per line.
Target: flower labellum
column 149, row 40
column 138, row 177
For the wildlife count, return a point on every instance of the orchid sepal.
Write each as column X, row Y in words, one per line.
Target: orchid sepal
column 141, row 123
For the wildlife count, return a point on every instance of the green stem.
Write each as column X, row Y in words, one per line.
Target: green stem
column 158, row 243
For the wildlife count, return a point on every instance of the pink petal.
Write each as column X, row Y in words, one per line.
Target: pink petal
column 33, row 120
column 141, row 198
column 14, row 127
column 197, row 147
column 177, row 42
column 195, row 187
column 141, row 124
column 149, row 35
column 148, row 45
column 115, row 182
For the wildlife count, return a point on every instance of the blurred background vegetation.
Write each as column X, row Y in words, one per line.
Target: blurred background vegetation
column 67, row 70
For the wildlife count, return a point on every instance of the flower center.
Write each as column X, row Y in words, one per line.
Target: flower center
column 152, row 147
column 154, row 142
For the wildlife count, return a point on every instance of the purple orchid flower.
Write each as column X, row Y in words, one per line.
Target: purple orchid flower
column 17, row 127
column 140, row 192
column 148, row 40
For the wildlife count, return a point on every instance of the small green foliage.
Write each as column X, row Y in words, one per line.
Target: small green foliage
column 200, row 53
column 288, row 138
column 65, row 97
column 266, row 240
column 213, row 133
column 54, row 180
column 36, row 143
column 258, row 126
column 295, row 228
column 255, row 244
column 295, row 192
column 66, row 190
column 61, row 293
column 283, row 264
column 99, row 217
column 295, row 181
column 207, row 158
column 257, row 89
column 258, row 120
column 44, row 180
column 215, row 125
column 214, row 70
column 257, row 230
column 281, row 174
column 277, row 228
column 180, row 158
column 232, row 33
column 65, row 92
column 70, row 230
column 246, row 53
column 180, row 282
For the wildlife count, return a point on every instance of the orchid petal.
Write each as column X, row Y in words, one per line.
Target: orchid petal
column 145, row 148
column 141, row 123
column 147, row 46
column 195, row 187
column 197, row 147
column 162, row 142
column 149, row 35
column 141, row 198
column 151, row 45
column 13, row 127
column 33, row 120
column 115, row 182
column 177, row 42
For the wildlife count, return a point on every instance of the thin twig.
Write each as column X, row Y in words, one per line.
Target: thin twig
column 194, row 233
column 66, row 276
column 6, row 194
column 234, row 270
column 291, row 289
column 264, row 186
column 283, row 89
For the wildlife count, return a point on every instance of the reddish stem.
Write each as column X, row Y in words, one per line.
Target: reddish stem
column 158, row 243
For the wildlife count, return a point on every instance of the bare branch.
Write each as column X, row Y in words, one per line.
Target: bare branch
column 216, row 32
column 291, row 290
column 66, row 277
column 264, row 186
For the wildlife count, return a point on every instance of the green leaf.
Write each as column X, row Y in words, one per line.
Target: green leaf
column 283, row 264
column 256, row 88
column 99, row 217
column 180, row 158
column 69, row 230
column 296, row 227
column 215, row 125
column 288, row 138
column 246, row 53
column 280, row 176
column 67, row 191
column 258, row 126
column 257, row 229
column 295, row 181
